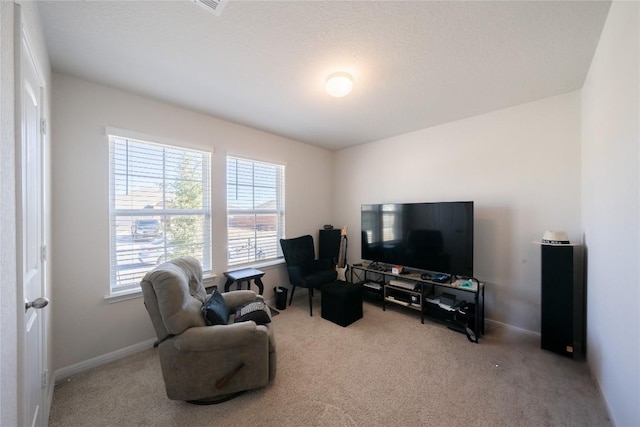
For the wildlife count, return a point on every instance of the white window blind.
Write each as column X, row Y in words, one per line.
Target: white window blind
column 159, row 208
column 255, row 210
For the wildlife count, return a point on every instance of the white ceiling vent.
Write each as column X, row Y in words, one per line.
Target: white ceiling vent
column 214, row 6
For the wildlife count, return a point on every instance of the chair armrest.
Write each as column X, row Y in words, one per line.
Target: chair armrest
column 235, row 299
column 209, row 338
column 322, row 264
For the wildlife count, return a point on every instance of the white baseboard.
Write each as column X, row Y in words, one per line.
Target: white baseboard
column 77, row 368
column 513, row 328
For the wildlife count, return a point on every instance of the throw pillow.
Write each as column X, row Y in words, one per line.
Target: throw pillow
column 215, row 310
column 256, row 311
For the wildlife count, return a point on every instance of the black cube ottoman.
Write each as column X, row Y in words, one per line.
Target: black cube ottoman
column 341, row 302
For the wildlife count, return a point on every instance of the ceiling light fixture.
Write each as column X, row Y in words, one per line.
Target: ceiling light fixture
column 339, row 84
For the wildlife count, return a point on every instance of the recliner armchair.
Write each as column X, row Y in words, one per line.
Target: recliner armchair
column 304, row 270
column 204, row 364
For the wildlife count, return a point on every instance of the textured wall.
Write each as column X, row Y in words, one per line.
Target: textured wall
column 611, row 211
column 85, row 324
column 521, row 167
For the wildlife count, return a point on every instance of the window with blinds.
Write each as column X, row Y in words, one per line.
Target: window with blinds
column 159, row 208
column 255, row 210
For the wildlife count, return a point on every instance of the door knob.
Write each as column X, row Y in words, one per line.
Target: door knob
column 41, row 302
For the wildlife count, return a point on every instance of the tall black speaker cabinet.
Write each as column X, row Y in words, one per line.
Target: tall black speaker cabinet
column 329, row 244
column 562, row 326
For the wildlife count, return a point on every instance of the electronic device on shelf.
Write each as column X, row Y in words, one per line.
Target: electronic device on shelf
column 373, row 285
column 397, row 269
column 440, row 277
column 420, row 291
column 447, row 299
column 403, row 284
column 377, row 266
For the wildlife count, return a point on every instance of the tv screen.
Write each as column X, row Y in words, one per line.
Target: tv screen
column 436, row 237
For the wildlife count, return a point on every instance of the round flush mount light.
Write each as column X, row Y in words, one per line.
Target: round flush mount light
column 339, row 84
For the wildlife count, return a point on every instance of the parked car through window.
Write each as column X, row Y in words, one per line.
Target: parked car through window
column 145, row 229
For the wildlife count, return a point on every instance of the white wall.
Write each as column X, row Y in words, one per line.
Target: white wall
column 611, row 211
column 85, row 325
column 521, row 167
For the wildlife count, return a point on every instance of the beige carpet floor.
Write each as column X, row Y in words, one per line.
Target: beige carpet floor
column 385, row 369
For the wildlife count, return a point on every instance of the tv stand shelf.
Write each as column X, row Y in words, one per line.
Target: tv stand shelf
column 412, row 291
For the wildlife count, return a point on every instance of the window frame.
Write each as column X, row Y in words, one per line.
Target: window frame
column 279, row 210
column 116, row 214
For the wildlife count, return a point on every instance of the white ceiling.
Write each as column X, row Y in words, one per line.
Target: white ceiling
column 263, row 64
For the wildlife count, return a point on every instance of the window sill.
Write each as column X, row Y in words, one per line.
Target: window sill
column 123, row 296
column 259, row 265
column 207, row 281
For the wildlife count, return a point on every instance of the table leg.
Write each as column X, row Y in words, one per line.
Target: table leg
column 482, row 312
column 259, row 284
column 227, row 284
column 477, row 325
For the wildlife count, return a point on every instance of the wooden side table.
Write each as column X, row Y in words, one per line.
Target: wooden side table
column 244, row 275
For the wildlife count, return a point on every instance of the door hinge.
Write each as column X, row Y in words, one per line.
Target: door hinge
column 43, row 253
column 45, row 378
column 43, row 126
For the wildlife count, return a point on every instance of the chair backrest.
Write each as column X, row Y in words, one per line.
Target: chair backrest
column 173, row 295
column 298, row 251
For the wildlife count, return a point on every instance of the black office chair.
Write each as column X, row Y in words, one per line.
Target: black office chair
column 304, row 270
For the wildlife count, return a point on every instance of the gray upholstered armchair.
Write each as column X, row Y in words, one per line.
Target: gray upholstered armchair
column 204, row 364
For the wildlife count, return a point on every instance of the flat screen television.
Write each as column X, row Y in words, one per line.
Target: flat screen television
column 436, row 237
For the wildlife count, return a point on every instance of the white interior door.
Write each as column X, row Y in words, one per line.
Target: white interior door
column 30, row 251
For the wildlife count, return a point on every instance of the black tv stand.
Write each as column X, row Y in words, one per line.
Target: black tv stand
column 410, row 289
